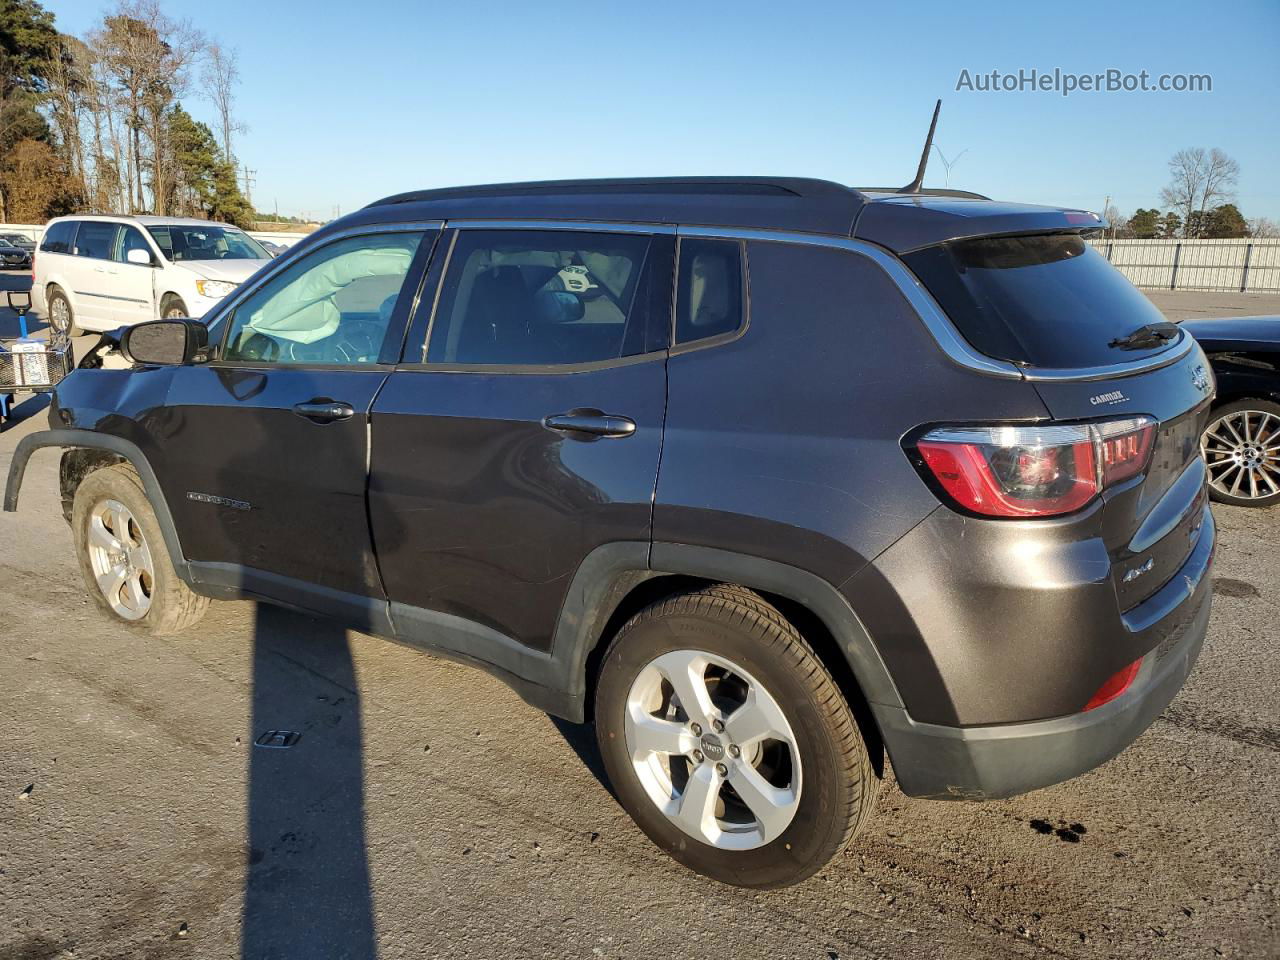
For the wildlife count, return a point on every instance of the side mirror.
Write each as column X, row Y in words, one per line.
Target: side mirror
column 140, row 257
column 165, row 342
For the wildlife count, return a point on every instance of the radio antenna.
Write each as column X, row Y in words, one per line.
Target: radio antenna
column 915, row 185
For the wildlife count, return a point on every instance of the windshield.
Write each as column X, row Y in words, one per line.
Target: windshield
column 1046, row 300
column 206, row 242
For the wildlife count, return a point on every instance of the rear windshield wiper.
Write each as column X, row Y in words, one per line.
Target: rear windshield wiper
column 1147, row 336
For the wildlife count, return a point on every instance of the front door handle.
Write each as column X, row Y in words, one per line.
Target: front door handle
column 589, row 423
column 321, row 410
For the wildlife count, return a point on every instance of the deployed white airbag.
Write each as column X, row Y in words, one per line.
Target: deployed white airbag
column 304, row 311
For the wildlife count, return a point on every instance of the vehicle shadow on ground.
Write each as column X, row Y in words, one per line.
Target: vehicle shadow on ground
column 581, row 738
column 307, row 890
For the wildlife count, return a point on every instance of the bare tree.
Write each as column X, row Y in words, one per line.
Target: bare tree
column 1264, row 228
column 1201, row 179
column 147, row 57
column 68, row 79
column 220, row 77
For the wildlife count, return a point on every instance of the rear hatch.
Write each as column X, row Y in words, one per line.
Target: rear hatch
column 1097, row 350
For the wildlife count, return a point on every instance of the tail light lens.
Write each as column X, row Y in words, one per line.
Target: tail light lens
column 1035, row 471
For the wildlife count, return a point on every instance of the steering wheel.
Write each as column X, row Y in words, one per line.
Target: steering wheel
column 358, row 341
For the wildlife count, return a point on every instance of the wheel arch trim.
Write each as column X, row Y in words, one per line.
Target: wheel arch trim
column 610, row 572
column 87, row 439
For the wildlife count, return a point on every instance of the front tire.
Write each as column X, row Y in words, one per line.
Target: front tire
column 1241, row 448
column 728, row 741
column 123, row 558
column 172, row 308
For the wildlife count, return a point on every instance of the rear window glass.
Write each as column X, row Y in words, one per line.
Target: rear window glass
column 1046, row 300
column 58, row 238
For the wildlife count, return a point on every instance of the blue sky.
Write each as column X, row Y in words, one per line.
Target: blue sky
column 349, row 101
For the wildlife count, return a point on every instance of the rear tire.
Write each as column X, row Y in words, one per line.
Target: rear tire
column 123, row 558
column 61, row 317
column 810, row 777
column 172, row 308
column 1241, row 447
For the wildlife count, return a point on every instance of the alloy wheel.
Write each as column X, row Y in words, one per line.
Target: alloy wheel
column 713, row 750
column 1242, row 451
column 59, row 315
column 120, row 559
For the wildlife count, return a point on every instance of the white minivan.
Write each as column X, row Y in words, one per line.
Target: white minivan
column 101, row 272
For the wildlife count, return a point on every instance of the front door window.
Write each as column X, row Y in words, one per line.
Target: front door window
column 332, row 306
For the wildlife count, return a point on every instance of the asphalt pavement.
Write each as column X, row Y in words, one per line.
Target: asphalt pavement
column 426, row 811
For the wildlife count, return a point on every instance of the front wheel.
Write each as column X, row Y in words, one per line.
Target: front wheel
column 173, row 308
column 1241, row 448
column 728, row 742
column 123, row 558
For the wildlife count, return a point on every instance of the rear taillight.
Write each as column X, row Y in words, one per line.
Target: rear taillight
column 1116, row 684
column 1035, row 471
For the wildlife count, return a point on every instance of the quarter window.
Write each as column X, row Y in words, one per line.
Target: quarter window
column 542, row 297
column 59, row 237
column 709, row 292
column 332, row 306
column 96, row 239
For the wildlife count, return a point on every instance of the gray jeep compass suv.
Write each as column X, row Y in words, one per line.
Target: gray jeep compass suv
column 768, row 477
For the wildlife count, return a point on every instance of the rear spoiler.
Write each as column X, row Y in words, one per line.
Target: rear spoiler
column 906, row 223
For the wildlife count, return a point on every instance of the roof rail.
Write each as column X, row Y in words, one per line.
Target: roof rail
column 926, row 192
column 730, row 186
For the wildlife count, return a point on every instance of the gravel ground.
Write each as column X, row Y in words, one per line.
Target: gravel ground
column 427, row 811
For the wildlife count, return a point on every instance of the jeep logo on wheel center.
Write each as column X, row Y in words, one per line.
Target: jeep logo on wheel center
column 712, row 747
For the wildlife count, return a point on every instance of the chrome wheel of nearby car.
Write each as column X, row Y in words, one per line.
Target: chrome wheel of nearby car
column 59, row 314
column 1242, row 451
column 713, row 750
column 120, row 559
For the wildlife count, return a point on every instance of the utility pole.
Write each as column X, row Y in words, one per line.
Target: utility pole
column 250, row 178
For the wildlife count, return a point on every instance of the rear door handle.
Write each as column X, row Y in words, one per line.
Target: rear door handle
column 322, row 410
column 588, row 423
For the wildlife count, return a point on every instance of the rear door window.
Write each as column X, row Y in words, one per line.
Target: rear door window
column 1044, row 300
column 536, row 298
column 96, row 239
column 59, row 237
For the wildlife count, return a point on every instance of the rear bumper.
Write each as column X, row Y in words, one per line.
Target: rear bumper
column 988, row 762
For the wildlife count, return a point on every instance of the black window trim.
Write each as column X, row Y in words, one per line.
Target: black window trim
column 541, row 369
column 226, row 308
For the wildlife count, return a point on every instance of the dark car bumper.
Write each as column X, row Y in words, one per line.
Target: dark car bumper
column 988, row 762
